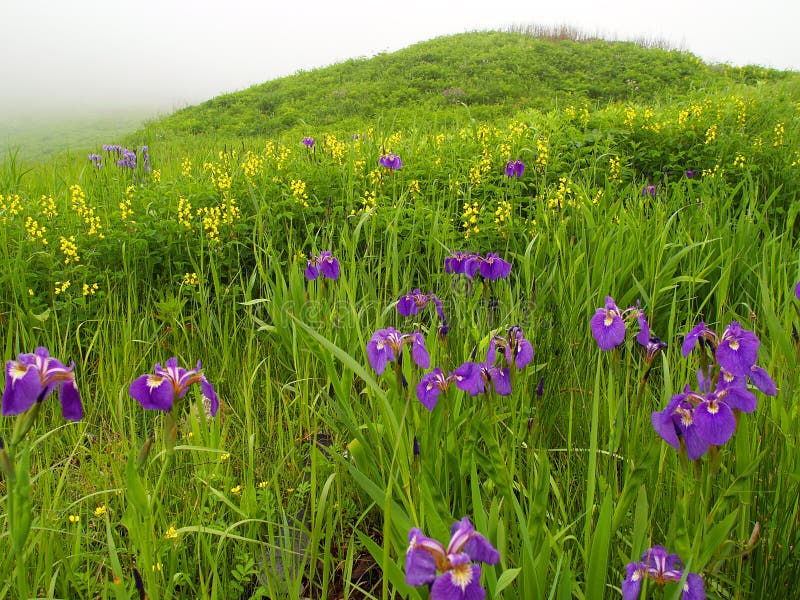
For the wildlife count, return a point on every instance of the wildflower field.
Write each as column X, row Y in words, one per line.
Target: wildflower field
column 537, row 352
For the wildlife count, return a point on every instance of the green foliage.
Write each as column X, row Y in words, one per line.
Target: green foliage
column 306, row 485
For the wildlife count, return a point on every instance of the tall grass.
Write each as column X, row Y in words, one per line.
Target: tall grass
column 306, row 484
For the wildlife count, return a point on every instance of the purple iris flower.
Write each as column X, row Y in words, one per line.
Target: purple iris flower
column 515, row 168
column 97, row 160
column 324, row 264
column 412, row 302
column 677, row 422
column 473, row 377
column 308, row 142
column 459, row 576
column 518, row 350
column 415, row 301
column 32, row 377
column 431, row 385
column 386, row 345
column 493, row 267
column 649, row 190
column 608, row 327
column 737, row 350
column 390, row 161
column 797, row 290
column 128, row 160
column 161, row 390
column 690, row 173
column 454, row 264
column 660, row 566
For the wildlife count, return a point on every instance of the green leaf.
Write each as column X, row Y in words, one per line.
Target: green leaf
column 506, row 578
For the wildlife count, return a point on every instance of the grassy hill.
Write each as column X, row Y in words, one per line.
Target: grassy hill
column 480, row 75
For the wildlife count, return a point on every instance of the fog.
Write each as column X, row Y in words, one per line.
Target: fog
column 90, row 57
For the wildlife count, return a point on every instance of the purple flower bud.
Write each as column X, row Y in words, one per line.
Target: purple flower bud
column 649, row 190
column 515, row 168
column 308, row 142
column 390, row 161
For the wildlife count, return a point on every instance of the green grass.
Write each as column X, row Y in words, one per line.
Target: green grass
column 306, row 483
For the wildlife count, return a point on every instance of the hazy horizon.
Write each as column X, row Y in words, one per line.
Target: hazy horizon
column 87, row 58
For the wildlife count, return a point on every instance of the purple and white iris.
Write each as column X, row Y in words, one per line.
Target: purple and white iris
column 660, row 566
column 459, row 574
column 386, row 345
column 32, row 377
column 159, row 391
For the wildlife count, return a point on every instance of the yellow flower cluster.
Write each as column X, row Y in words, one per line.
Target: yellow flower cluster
column 368, row 202
column 563, row 195
column 615, row 168
column 376, row 176
column 190, row 279
column 48, row 206
column 74, row 519
column 581, row 115
column 35, row 231
column 252, row 165
column 125, row 206
column 739, row 161
column 100, row 510
column 439, row 140
column 86, row 212
column 469, row 219
column 336, row 148
column 502, row 215
column 215, row 216
column 649, row 124
column 236, row 490
column 516, row 129
column 156, row 175
column 61, row 287
column 210, row 218
column 481, row 168
column 185, row 213
column 283, row 155
column 413, row 188
column 779, row 130
column 10, row 205
column 630, row 115
column 69, row 249
column 90, row 290
column 171, row 533
column 298, row 188
column 741, row 111
column 393, row 141
column 711, row 172
column 542, row 153
column 186, row 167
column 358, row 166
column 711, row 134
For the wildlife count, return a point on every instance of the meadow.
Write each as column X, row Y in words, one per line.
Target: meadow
column 556, row 315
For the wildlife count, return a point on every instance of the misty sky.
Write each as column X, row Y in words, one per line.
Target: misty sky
column 89, row 56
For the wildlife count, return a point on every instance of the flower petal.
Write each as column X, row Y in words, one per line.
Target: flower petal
column 23, row 386
column 152, row 392
column 71, row 408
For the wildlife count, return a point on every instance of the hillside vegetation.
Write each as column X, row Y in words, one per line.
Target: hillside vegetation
column 447, row 80
column 609, row 375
